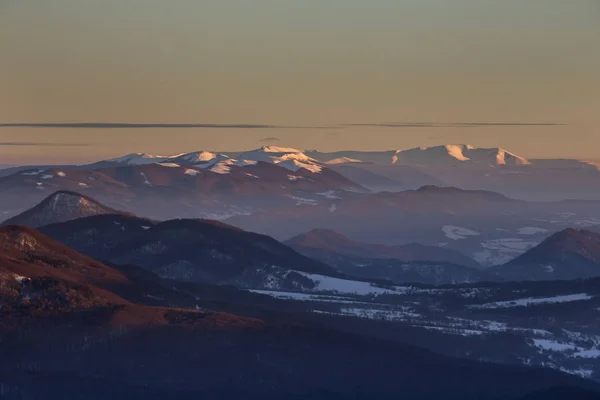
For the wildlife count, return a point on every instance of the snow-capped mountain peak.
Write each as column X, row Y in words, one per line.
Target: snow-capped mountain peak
column 292, row 159
column 199, row 157
column 458, row 154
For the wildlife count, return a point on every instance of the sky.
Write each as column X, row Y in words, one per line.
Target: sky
column 318, row 74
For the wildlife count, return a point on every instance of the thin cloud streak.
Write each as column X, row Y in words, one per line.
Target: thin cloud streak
column 43, row 144
column 118, row 125
column 269, row 139
column 452, row 124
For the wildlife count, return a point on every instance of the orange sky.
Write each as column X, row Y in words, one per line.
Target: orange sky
column 308, row 63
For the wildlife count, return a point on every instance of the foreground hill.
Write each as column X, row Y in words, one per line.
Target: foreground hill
column 41, row 278
column 69, row 338
column 190, row 250
column 568, row 254
column 39, row 275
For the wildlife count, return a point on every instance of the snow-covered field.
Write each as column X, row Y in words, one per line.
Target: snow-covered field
column 531, row 230
column 458, row 312
column 457, row 232
column 343, row 286
column 535, row 301
column 500, row 251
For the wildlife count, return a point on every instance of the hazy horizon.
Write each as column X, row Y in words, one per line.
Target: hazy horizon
column 319, row 64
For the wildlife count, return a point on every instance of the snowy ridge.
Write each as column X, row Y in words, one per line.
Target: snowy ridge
column 458, row 153
column 291, row 159
column 342, row 160
column 199, row 157
column 312, row 160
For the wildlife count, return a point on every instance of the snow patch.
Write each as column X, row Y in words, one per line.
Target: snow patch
column 304, row 201
column 531, row 230
column 500, row 251
column 552, row 345
column 146, row 181
column 198, row 157
column 457, row 232
column 591, row 353
column 20, row 278
column 456, row 151
column 328, row 284
column 292, row 159
column 342, row 160
column 330, row 194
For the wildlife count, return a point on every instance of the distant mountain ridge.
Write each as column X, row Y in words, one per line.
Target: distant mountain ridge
column 450, row 153
column 169, row 190
column 328, row 240
column 411, row 263
column 293, row 158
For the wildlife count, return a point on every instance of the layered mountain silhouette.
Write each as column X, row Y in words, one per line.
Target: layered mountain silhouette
column 399, row 264
column 328, row 240
column 388, row 218
column 174, row 190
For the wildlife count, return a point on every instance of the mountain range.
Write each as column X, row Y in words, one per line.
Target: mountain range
column 209, row 251
column 460, row 165
column 214, row 185
column 486, row 226
column 178, row 281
